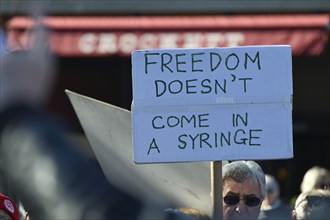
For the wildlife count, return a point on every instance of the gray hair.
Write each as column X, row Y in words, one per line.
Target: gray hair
column 242, row 170
column 315, row 178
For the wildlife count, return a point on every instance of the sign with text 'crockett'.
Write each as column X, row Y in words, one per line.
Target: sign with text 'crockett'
column 208, row 104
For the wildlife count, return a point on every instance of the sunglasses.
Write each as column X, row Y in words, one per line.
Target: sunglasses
column 316, row 201
column 251, row 201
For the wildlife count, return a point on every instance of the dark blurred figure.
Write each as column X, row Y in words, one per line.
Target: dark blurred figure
column 273, row 207
column 8, row 208
column 312, row 205
column 51, row 178
column 46, row 172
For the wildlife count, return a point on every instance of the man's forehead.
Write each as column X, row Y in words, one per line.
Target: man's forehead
column 249, row 186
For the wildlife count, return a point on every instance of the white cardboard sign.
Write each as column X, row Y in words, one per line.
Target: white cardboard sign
column 209, row 104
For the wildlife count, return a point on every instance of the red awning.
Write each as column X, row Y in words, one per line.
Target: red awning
column 108, row 35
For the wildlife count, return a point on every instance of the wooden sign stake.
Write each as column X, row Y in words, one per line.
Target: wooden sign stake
column 216, row 187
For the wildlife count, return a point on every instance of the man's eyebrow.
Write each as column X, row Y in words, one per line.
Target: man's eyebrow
column 232, row 193
column 252, row 194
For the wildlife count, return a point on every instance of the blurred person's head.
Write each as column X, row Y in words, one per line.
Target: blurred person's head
column 273, row 191
column 27, row 76
column 315, row 178
column 8, row 209
column 312, row 205
column 243, row 190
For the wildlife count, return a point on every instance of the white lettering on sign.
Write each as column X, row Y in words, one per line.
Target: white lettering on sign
column 234, row 39
column 148, row 41
column 107, row 44
column 87, row 43
column 125, row 43
column 192, row 40
column 212, row 103
column 168, row 40
column 214, row 39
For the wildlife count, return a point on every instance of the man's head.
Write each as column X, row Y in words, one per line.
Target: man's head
column 243, row 190
column 315, row 178
column 273, row 191
column 8, row 209
column 28, row 76
column 312, row 205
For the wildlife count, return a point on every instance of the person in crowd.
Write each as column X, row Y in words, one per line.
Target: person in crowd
column 244, row 189
column 315, row 178
column 273, row 207
column 8, row 208
column 312, row 205
column 45, row 170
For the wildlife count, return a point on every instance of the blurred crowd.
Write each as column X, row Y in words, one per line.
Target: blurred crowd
column 43, row 176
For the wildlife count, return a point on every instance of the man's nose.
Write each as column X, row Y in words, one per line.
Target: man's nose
column 241, row 207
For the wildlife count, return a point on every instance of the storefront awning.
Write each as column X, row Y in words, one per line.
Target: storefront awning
column 110, row 35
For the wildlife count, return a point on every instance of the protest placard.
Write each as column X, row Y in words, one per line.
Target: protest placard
column 209, row 104
column 108, row 130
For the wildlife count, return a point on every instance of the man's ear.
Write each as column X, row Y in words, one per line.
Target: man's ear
column 294, row 214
